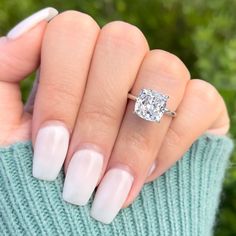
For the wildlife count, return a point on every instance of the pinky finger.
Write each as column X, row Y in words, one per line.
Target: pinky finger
column 201, row 110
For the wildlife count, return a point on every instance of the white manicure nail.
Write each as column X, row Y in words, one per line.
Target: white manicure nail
column 3, row 39
column 50, row 150
column 152, row 168
column 111, row 195
column 82, row 176
column 31, row 21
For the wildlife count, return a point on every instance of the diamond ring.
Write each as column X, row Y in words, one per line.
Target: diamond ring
column 151, row 105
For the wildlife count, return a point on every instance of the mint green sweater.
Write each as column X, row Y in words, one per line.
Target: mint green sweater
column 182, row 202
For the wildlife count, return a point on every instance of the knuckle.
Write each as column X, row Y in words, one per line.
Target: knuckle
column 73, row 21
column 169, row 63
column 204, row 91
column 60, row 91
column 174, row 137
column 119, row 32
column 138, row 141
column 102, row 114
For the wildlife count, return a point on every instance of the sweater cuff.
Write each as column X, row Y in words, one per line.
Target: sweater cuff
column 183, row 201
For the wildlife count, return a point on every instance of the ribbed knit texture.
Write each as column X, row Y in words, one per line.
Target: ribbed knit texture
column 182, row 202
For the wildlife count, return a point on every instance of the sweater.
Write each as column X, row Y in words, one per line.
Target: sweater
column 181, row 202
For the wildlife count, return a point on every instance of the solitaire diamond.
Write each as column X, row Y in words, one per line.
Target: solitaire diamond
column 150, row 105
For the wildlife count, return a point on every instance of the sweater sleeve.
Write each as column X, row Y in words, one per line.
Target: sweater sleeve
column 182, row 202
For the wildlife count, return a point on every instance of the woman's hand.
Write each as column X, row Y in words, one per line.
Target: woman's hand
column 82, row 116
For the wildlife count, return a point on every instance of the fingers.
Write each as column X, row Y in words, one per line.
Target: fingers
column 119, row 52
column 104, row 139
column 66, row 54
column 138, row 140
column 20, row 54
column 202, row 109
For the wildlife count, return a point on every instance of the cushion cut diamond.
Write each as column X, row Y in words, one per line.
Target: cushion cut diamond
column 150, row 105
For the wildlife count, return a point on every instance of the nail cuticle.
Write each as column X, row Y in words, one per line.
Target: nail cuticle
column 90, row 146
column 55, row 123
column 124, row 167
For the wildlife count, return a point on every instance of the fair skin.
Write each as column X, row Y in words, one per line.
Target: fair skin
column 89, row 71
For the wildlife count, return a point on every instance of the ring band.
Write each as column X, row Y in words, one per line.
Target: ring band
column 150, row 105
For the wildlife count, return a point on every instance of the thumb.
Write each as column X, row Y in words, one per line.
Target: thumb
column 20, row 49
column 19, row 56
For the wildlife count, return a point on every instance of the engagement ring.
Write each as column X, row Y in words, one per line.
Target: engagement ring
column 151, row 105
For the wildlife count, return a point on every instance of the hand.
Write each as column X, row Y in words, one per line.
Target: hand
column 82, row 115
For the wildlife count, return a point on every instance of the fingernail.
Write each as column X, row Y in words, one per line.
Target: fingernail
column 111, row 195
column 31, row 21
column 3, row 39
column 50, row 150
column 82, row 176
column 151, row 169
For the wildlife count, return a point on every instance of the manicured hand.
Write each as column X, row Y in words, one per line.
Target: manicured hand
column 82, row 116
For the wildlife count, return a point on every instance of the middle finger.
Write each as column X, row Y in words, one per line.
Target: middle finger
column 118, row 54
column 139, row 140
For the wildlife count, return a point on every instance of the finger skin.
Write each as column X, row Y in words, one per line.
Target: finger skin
column 66, row 53
column 202, row 109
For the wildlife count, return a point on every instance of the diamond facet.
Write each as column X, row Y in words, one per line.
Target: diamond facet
column 150, row 105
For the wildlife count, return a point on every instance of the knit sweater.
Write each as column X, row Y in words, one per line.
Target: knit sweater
column 182, row 202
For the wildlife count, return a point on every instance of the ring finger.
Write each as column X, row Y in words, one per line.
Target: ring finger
column 139, row 140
